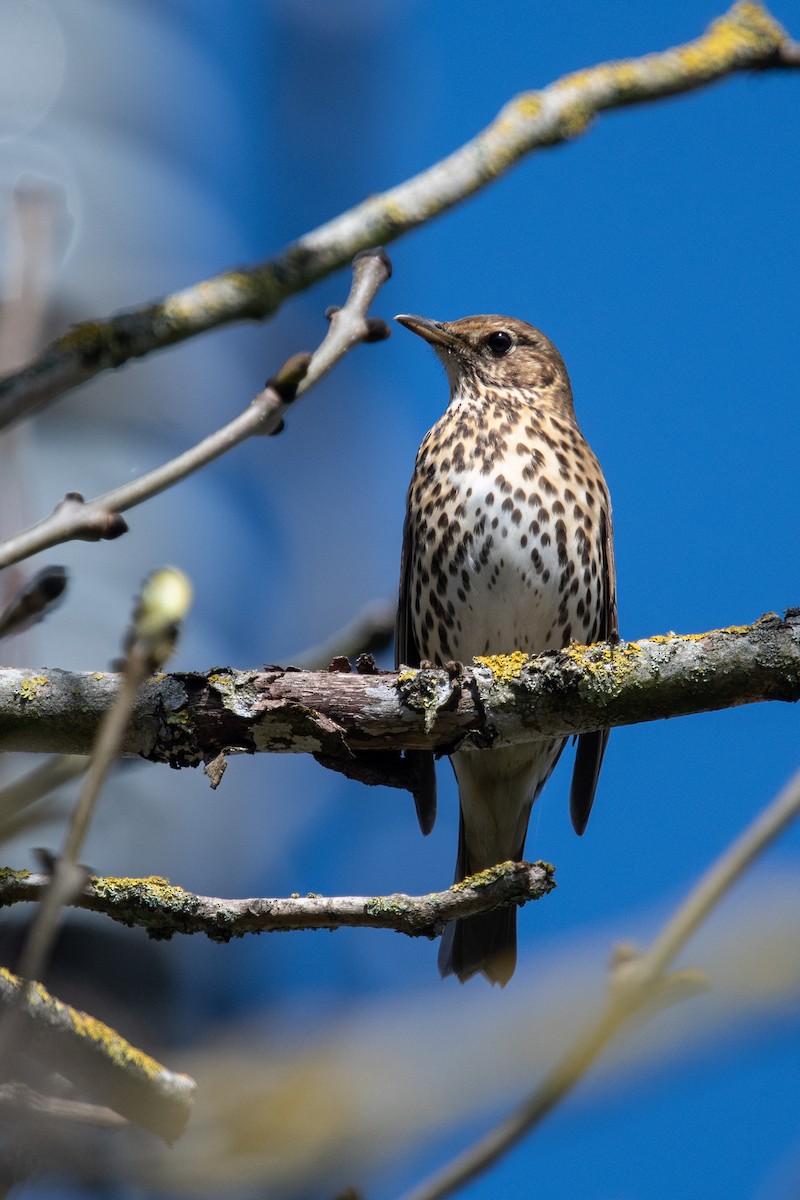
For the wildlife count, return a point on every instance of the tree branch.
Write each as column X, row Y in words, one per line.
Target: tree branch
column 96, row 1058
column 637, row 981
column 99, row 519
column 18, row 1102
column 164, row 909
column 746, row 38
column 188, row 718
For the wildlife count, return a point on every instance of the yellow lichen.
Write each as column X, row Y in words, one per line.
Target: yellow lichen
column 218, row 679
column 8, row 876
column 378, row 906
column 180, row 717
column 114, row 1046
column 30, row 687
column 154, row 888
column 484, row 878
column 600, row 660
column 664, row 639
column 528, row 105
column 504, row 667
column 625, row 75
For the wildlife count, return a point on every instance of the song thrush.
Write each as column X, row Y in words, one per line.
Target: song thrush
column 507, row 545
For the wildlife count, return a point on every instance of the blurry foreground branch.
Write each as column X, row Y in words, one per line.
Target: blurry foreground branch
column 189, row 718
column 95, row 1057
column 746, row 38
column 639, row 982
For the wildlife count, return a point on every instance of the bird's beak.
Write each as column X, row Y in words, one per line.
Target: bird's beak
column 432, row 331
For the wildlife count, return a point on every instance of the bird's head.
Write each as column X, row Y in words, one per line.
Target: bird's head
column 495, row 354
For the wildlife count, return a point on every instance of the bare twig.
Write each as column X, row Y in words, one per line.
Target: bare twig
column 636, row 981
column 186, row 719
column 746, row 38
column 165, row 909
column 100, row 518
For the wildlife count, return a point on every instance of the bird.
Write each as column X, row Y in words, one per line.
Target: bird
column 507, row 546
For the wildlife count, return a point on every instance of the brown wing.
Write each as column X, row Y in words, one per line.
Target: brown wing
column 406, row 651
column 592, row 746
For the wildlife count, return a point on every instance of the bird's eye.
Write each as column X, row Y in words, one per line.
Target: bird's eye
column 499, row 343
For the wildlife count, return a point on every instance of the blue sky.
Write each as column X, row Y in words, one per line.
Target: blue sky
column 659, row 252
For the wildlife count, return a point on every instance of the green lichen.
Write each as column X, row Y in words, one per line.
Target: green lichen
column 492, row 875
column 154, row 889
column 605, row 665
column 180, row 716
column 393, row 906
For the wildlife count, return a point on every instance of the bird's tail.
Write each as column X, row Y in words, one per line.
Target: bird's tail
column 486, row 943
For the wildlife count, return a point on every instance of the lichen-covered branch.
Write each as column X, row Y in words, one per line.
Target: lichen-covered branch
column 745, row 38
column 189, row 718
column 98, row 1060
column 164, row 909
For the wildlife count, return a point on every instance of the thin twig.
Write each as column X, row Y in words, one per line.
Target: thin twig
column 636, row 980
column 98, row 519
column 164, row 908
column 745, row 38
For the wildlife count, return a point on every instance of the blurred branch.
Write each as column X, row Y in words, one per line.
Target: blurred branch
column 17, row 1101
column 100, row 518
column 33, row 601
column 29, row 257
column 370, row 631
column 746, row 38
column 17, row 797
column 188, row 718
column 28, row 264
column 637, row 980
column 163, row 603
column 96, row 1058
column 164, row 909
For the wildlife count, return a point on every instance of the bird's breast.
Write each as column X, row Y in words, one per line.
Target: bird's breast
column 505, row 553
